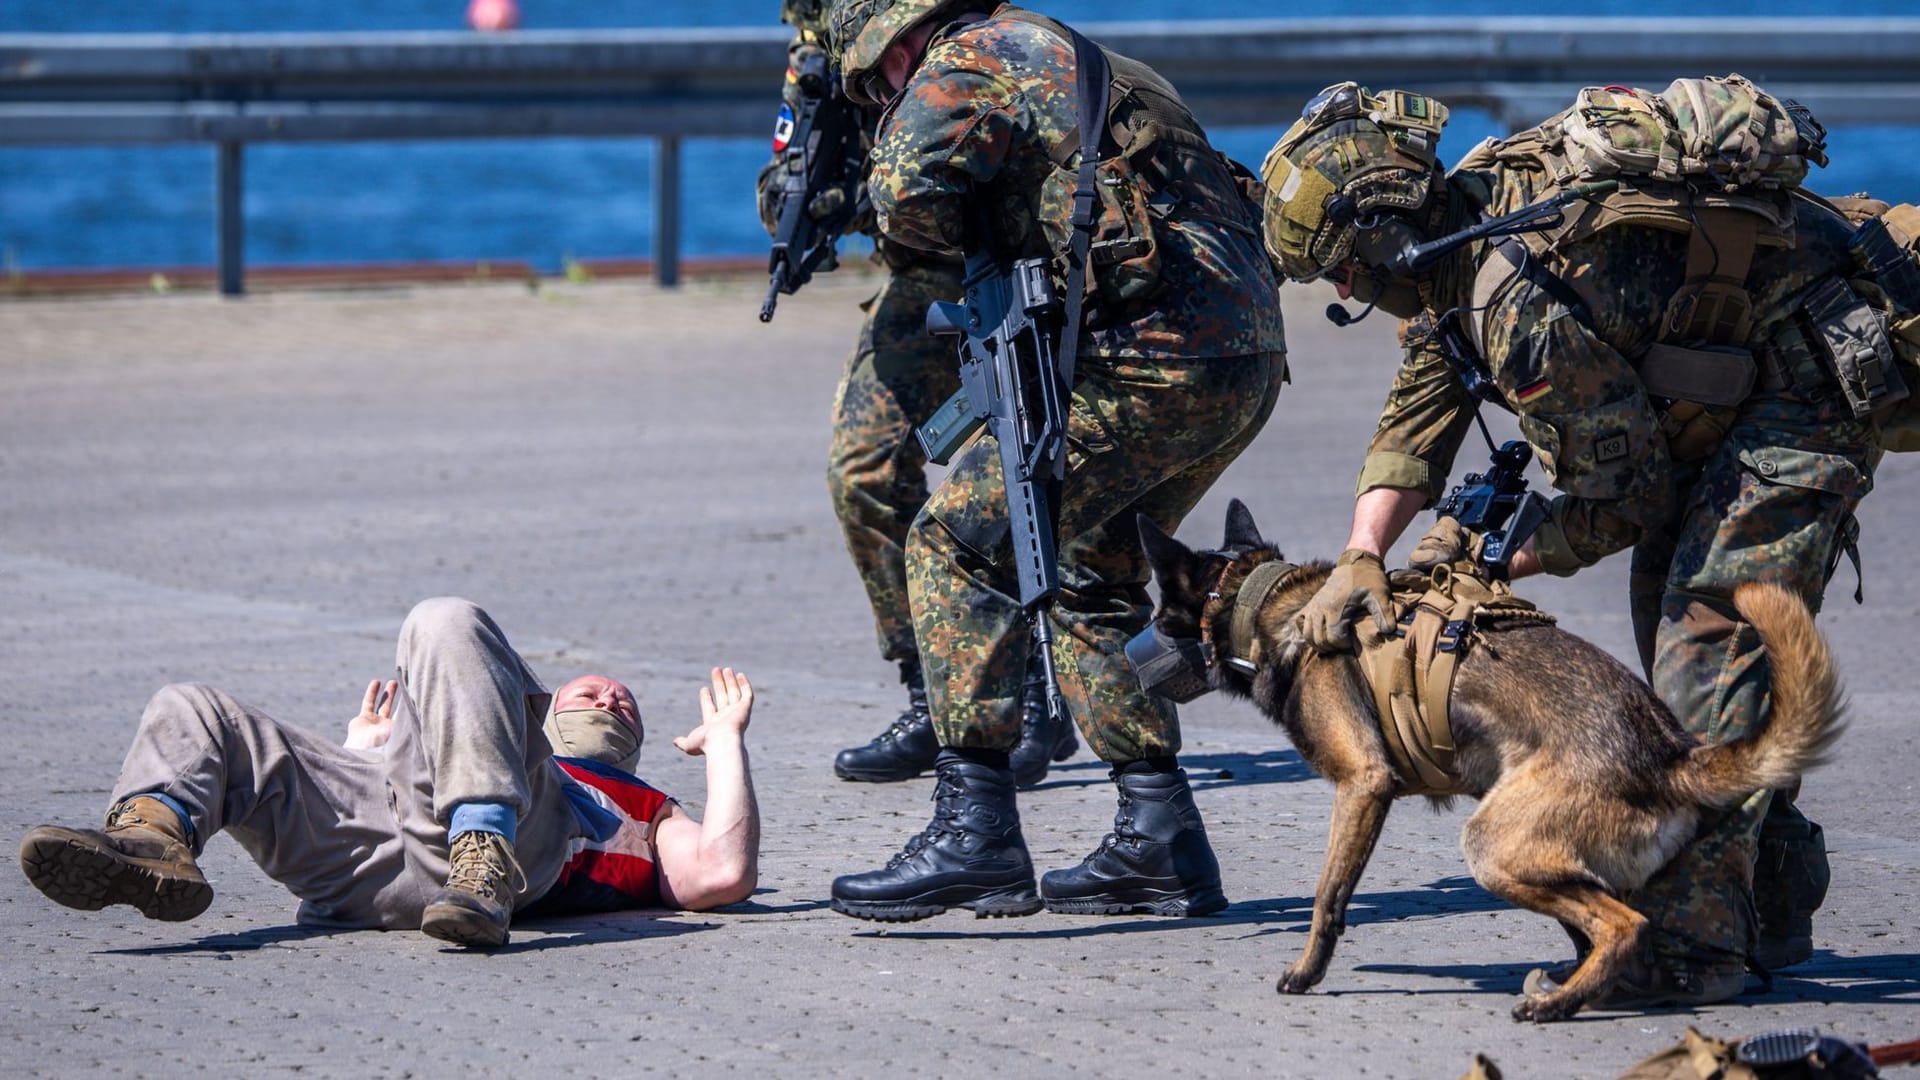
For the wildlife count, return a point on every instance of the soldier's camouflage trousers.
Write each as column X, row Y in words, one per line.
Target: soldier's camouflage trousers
column 1145, row 437
column 898, row 375
column 1774, row 501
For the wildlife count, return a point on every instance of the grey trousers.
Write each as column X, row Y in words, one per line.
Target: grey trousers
column 360, row 836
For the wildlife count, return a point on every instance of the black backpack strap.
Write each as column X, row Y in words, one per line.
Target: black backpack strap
column 1093, row 82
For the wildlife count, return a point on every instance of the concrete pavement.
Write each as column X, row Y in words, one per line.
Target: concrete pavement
column 254, row 493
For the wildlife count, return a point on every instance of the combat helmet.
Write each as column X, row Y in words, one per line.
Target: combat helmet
column 859, row 32
column 1352, row 157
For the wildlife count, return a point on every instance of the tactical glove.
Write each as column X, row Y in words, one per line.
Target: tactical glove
column 767, row 195
column 1448, row 542
column 828, row 203
column 1358, row 585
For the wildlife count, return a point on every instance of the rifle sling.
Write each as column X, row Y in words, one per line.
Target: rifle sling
column 1094, row 83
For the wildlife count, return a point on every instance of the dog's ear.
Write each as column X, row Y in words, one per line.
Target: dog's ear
column 1241, row 533
column 1169, row 558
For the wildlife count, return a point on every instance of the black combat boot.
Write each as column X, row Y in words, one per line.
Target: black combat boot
column 1156, row 859
column 903, row 751
column 971, row 856
column 1043, row 737
column 1790, row 878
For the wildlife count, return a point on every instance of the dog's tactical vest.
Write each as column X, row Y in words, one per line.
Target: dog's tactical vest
column 1437, row 614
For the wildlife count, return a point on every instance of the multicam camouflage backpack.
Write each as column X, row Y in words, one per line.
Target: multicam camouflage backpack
column 1716, row 159
column 1721, row 162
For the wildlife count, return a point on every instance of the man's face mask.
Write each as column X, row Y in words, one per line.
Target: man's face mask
column 596, row 734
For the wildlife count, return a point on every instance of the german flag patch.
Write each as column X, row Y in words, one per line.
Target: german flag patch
column 1532, row 392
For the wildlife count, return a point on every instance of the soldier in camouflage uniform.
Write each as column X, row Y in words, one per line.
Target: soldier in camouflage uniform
column 1762, row 489
column 876, row 474
column 1181, row 356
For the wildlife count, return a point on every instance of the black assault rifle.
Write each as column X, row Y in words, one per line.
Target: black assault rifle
column 1012, row 383
column 1018, row 342
column 821, row 149
column 1497, row 505
column 1008, row 322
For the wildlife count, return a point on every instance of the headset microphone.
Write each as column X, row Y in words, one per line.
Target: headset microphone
column 1340, row 316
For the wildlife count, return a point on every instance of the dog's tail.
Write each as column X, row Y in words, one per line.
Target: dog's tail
column 1806, row 713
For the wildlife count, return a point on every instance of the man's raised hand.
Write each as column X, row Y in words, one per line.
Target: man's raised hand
column 725, row 708
column 370, row 729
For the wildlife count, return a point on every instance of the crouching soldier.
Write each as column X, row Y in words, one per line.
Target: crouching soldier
column 1687, row 341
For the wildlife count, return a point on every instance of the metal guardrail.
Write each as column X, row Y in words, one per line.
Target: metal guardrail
column 670, row 85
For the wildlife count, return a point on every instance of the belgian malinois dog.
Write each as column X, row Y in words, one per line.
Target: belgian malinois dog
column 1587, row 783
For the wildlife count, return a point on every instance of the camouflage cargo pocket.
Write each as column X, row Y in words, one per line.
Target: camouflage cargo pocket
column 1834, row 474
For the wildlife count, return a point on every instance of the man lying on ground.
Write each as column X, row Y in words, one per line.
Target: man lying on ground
column 447, row 809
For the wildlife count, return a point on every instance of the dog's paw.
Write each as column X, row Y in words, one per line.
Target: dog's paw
column 1297, row 981
column 1545, row 1008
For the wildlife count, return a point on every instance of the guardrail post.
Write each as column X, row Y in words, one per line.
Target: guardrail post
column 666, row 212
column 232, row 236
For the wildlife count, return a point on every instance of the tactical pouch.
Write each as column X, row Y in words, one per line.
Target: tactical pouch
column 1854, row 343
column 1714, row 376
column 1888, row 263
column 1886, row 252
column 1125, row 250
column 1703, row 389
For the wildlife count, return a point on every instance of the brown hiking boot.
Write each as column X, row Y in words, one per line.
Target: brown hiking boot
column 477, row 903
column 142, row 859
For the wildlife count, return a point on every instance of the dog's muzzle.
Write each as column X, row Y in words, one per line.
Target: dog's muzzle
column 1173, row 668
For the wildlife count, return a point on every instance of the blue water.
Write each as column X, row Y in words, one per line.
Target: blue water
column 550, row 200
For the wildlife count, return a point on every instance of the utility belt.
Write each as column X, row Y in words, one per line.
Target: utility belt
column 1833, row 346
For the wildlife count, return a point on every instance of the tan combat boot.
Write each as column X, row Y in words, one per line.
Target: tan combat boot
column 143, row 859
column 477, row 903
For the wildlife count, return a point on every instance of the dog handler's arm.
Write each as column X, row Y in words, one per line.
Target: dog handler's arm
column 1358, row 584
column 711, row 863
column 1381, row 514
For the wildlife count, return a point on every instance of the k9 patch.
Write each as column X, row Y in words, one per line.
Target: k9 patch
column 783, row 129
column 1610, row 446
